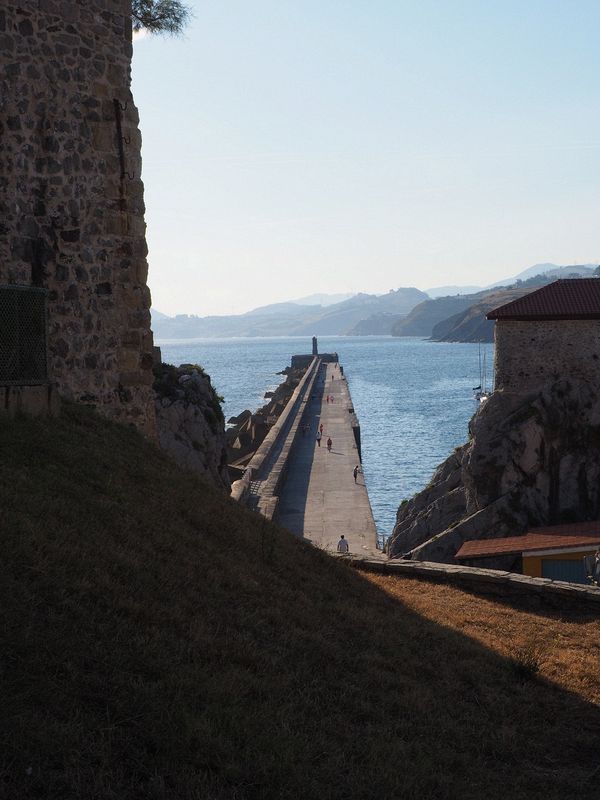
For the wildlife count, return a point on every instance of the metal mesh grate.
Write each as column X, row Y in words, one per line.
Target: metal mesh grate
column 23, row 355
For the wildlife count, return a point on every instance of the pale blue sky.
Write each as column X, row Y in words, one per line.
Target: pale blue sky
column 321, row 146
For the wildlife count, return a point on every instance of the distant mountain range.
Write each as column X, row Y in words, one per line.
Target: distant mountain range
column 323, row 299
column 553, row 270
column 461, row 318
column 470, row 325
column 456, row 316
column 290, row 319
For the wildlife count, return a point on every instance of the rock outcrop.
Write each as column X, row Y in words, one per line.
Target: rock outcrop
column 190, row 421
column 531, row 460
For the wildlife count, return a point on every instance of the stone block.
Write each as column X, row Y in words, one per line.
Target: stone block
column 562, row 587
column 103, row 137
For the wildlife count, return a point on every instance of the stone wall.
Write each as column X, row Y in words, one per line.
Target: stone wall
column 71, row 198
column 531, row 354
column 523, row 591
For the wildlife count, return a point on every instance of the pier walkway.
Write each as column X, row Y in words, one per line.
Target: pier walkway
column 319, row 500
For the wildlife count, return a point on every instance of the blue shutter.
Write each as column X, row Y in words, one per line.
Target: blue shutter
column 564, row 570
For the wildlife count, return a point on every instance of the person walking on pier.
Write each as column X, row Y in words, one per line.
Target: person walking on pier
column 342, row 545
column 319, row 434
column 355, row 472
column 329, row 443
column 321, row 428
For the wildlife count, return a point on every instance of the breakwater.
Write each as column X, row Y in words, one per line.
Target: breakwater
column 307, row 472
column 263, row 476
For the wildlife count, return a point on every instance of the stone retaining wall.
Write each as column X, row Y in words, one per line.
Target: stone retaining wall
column 71, row 198
column 536, row 591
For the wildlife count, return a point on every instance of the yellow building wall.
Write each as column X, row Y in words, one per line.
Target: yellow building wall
column 532, row 565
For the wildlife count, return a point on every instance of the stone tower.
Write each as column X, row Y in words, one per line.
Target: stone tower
column 71, row 196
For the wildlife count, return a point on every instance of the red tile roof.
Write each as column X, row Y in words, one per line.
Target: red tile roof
column 557, row 537
column 570, row 298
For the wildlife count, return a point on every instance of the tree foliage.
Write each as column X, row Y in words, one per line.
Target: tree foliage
column 160, row 16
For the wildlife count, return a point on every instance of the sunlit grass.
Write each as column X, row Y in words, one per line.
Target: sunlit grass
column 562, row 647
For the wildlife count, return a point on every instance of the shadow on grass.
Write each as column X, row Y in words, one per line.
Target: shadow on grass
column 152, row 646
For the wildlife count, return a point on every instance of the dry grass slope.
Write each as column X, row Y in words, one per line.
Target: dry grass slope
column 160, row 642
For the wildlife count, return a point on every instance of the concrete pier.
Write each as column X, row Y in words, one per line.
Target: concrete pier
column 320, row 500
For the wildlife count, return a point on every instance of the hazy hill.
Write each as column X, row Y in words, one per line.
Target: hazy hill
column 380, row 324
column 280, row 319
column 158, row 314
column 423, row 318
column 159, row 641
column 290, row 319
column 359, row 314
column 553, row 271
column 448, row 301
column 461, row 318
column 446, row 291
column 320, row 299
column 342, row 317
column 470, row 325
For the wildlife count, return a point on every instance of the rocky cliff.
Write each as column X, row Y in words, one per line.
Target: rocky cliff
column 530, row 460
column 190, row 421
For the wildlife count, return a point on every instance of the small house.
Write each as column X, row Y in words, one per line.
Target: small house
column 555, row 552
column 550, row 334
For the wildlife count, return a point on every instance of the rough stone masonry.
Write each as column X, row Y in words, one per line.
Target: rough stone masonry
column 71, row 198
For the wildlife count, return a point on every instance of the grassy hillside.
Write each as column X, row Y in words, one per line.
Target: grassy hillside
column 157, row 641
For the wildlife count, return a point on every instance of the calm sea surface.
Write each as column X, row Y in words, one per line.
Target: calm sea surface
column 413, row 398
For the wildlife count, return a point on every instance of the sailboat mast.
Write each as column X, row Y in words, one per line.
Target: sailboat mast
column 484, row 377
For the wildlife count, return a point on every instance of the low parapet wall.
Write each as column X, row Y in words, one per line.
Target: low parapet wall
column 542, row 591
column 266, row 457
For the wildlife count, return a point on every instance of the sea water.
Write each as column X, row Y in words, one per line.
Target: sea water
column 413, row 398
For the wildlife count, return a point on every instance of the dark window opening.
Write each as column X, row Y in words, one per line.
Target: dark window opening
column 23, row 336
